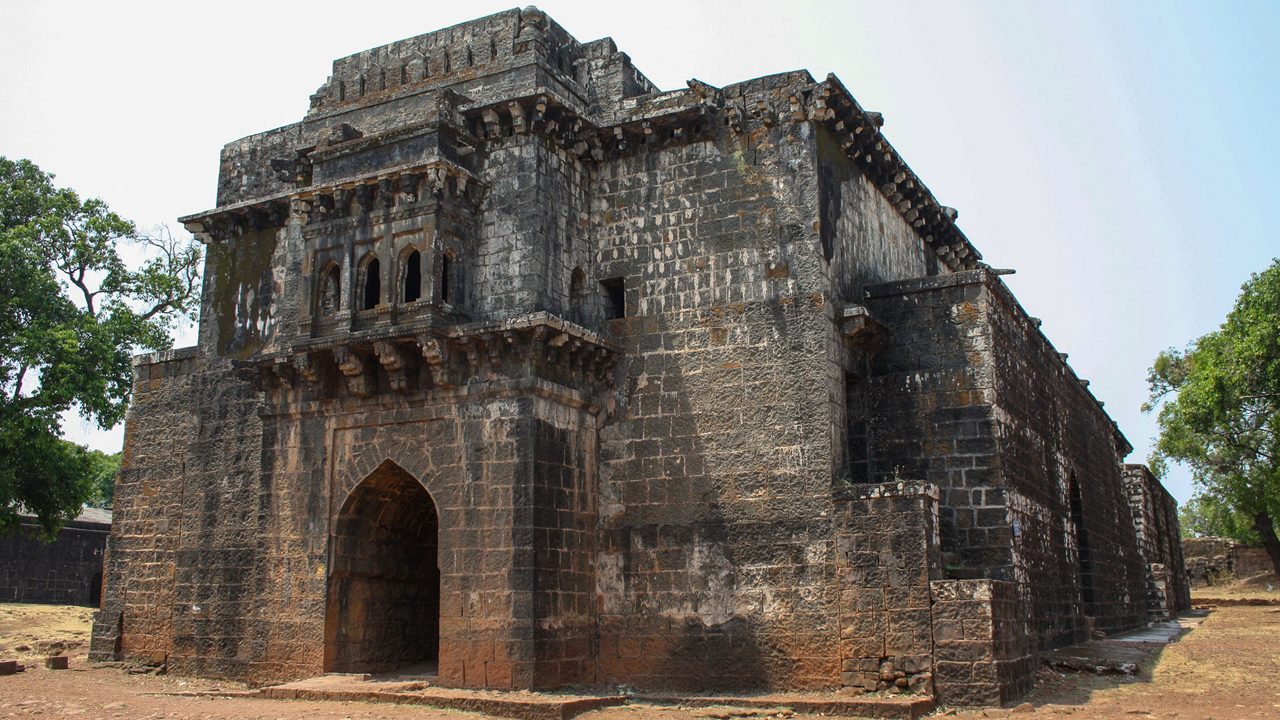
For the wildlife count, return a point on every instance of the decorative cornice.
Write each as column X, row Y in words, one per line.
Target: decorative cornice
column 419, row 359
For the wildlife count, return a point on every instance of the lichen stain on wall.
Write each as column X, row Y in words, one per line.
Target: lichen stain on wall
column 244, row 288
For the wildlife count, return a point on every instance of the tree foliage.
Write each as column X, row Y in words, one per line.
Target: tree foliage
column 1219, row 412
column 72, row 312
column 1207, row 516
column 103, row 468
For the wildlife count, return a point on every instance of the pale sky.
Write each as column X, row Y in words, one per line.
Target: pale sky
column 1121, row 156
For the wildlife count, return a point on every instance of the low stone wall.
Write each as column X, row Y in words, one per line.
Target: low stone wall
column 1218, row 560
column 67, row 571
column 980, row 658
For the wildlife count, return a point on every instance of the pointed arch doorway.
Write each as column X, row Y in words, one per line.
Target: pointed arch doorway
column 382, row 605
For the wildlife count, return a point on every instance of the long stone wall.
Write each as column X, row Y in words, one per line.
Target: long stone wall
column 1027, row 461
column 66, row 571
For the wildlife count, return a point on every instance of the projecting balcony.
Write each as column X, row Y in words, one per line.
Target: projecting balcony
column 419, row 349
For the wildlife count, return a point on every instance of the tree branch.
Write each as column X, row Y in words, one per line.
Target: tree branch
column 17, row 385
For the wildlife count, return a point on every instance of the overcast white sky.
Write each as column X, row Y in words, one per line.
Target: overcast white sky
column 1122, row 156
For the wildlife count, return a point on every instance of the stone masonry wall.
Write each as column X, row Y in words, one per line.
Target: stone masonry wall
column 931, row 413
column 67, row 571
column 1061, row 456
column 982, row 654
column 191, row 457
column 886, row 555
column 969, row 395
column 1155, row 519
column 716, row 470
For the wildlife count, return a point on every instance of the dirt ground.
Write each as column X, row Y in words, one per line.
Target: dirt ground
column 1225, row 669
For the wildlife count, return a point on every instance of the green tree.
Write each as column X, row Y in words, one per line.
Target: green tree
column 72, row 312
column 1219, row 412
column 103, row 468
column 1207, row 516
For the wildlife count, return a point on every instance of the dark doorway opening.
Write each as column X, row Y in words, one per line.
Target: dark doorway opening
column 383, row 601
column 95, row 591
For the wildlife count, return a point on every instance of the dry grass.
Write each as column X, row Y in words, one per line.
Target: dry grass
column 1264, row 586
column 37, row 631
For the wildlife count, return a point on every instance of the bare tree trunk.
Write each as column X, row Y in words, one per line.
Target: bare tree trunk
column 1267, row 529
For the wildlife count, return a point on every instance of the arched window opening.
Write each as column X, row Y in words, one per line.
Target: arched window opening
column 329, row 293
column 372, row 284
column 413, row 276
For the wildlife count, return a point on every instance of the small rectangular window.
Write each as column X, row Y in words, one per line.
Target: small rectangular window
column 615, row 297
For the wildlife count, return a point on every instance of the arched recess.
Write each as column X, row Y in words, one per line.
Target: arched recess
column 411, row 283
column 578, row 296
column 450, row 279
column 370, row 282
column 1084, row 558
column 382, row 605
column 328, row 289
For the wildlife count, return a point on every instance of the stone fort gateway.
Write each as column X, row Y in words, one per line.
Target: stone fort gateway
column 513, row 366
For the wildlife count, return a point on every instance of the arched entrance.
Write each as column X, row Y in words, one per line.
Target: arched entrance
column 383, row 599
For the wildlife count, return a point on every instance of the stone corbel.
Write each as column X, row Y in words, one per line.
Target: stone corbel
column 435, row 353
column 408, row 188
column 285, row 372
column 341, row 202
column 355, row 370
column 394, row 362
column 539, row 120
column 364, row 197
column 300, row 209
column 385, row 193
column 860, row 329
column 494, row 349
column 472, row 348
column 518, row 124
column 307, row 367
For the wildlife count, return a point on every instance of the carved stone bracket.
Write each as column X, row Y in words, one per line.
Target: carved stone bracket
column 307, row 367
column 435, row 352
column 353, row 367
column 438, row 181
column 396, row 362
